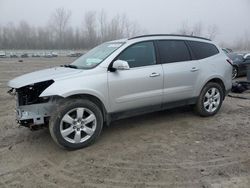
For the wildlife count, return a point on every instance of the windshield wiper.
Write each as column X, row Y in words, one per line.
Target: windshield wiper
column 70, row 66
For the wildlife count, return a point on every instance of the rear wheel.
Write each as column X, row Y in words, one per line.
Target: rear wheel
column 76, row 124
column 210, row 100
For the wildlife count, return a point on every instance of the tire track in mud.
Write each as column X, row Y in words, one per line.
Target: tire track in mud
column 122, row 173
column 41, row 173
column 158, row 173
column 117, row 164
column 92, row 170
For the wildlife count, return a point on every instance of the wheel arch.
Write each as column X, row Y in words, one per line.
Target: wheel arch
column 218, row 81
column 93, row 99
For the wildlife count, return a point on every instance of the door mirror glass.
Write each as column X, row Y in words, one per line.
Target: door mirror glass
column 121, row 65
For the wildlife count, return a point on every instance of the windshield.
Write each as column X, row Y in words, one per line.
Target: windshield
column 95, row 56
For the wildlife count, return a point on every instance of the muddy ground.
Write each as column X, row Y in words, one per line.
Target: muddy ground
column 173, row 148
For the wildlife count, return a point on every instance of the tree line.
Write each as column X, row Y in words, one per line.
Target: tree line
column 241, row 43
column 96, row 27
column 58, row 33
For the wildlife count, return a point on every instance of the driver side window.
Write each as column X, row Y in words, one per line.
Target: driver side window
column 138, row 55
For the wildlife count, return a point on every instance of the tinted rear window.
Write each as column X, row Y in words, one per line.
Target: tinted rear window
column 202, row 50
column 173, row 51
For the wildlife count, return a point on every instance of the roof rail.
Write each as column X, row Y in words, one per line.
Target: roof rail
column 174, row 35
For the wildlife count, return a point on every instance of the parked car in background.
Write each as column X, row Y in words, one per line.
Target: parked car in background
column 24, row 55
column 36, row 55
column 247, row 62
column 54, row 54
column 51, row 54
column 2, row 54
column 119, row 79
column 75, row 54
column 48, row 55
column 239, row 62
column 13, row 55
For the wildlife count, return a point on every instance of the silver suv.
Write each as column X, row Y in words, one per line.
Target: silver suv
column 119, row 79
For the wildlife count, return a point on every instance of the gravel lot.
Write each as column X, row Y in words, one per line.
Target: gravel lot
column 173, row 148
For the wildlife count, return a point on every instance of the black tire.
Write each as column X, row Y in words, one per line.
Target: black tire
column 200, row 107
column 62, row 110
column 235, row 72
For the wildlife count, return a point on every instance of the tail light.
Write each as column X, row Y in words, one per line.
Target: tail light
column 230, row 61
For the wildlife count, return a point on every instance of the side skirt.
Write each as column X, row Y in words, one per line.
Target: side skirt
column 149, row 109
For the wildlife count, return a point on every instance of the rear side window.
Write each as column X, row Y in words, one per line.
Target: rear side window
column 173, row 51
column 202, row 50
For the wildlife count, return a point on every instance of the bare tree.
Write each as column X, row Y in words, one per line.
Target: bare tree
column 120, row 27
column 89, row 25
column 247, row 40
column 184, row 29
column 243, row 43
column 24, row 35
column 197, row 29
column 212, row 31
column 58, row 33
column 1, row 34
column 77, row 39
column 102, row 20
column 115, row 28
column 43, row 39
column 8, row 37
column 59, row 24
column 131, row 29
column 128, row 28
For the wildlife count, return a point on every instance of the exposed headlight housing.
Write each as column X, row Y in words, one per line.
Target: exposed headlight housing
column 28, row 95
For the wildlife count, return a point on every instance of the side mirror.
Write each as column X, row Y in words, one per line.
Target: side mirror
column 120, row 65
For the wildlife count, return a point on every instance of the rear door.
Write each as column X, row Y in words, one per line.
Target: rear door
column 180, row 71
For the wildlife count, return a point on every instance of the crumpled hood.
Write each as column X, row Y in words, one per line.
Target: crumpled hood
column 42, row 75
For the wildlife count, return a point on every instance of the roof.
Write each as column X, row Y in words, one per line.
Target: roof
column 117, row 41
column 168, row 35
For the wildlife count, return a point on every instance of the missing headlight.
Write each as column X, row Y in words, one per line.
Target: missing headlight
column 30, row 94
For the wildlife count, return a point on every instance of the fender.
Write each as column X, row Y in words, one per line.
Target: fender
column 207, row 80
column 67, row 88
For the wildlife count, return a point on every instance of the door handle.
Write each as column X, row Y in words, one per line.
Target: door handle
column 154, row 74
column 194, row 69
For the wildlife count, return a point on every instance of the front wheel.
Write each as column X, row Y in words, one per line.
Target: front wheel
column 76, row 124
column 210, row 100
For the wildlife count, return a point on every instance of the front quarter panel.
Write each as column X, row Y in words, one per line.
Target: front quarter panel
column 91, row 82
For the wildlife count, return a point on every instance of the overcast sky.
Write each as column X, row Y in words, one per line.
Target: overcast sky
column 232, row 17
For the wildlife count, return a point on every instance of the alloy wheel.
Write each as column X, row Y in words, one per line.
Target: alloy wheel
column 211, row 100
column 78, row 125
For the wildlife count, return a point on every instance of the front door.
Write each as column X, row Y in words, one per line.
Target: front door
column 141, row 85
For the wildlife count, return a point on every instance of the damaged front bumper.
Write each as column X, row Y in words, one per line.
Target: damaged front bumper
column 31, row 109
column 35, row 114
